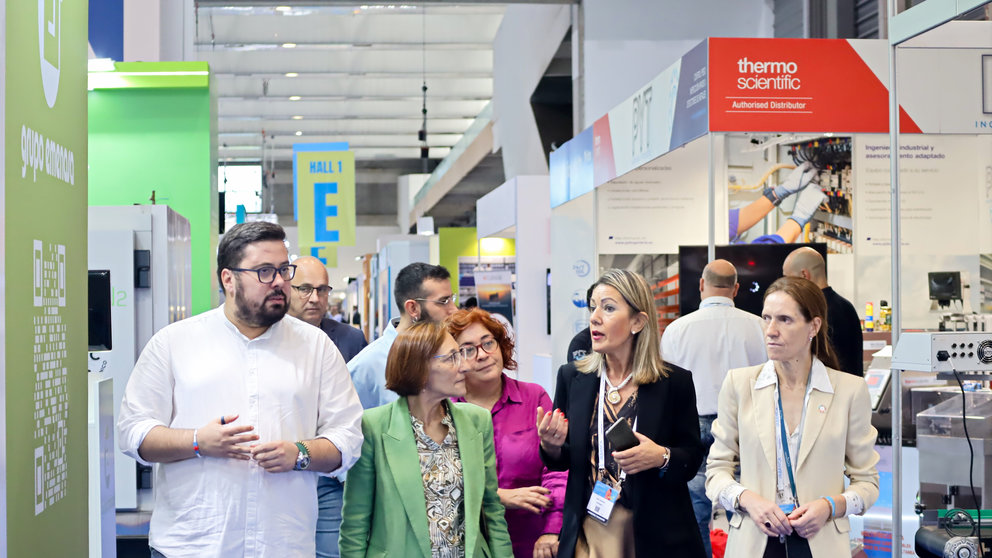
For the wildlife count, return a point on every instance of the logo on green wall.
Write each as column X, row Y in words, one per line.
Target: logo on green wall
column 50, row 47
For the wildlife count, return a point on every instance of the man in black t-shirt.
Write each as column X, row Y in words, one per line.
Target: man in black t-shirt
column 843, row 323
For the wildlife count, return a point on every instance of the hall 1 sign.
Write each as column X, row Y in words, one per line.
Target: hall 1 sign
column 324, row 198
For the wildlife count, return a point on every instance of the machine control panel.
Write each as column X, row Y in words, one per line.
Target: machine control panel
column 944, row 351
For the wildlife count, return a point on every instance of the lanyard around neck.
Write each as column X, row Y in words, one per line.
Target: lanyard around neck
column 785, row 435
column 602, row 439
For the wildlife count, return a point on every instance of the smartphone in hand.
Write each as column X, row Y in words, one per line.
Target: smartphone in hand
column 621, row 435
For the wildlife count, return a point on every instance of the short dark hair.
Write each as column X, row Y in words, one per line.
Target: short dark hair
column 410, row 281
column 231, row 249
column 409, row 360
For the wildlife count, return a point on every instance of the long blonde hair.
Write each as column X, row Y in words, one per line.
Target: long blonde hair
column 647, row 364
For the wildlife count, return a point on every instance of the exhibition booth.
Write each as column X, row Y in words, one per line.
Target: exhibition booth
column 674, row 176
column 519, row 209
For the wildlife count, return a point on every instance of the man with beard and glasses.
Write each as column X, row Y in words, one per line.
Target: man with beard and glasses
column 423, row 293
column 240, row 411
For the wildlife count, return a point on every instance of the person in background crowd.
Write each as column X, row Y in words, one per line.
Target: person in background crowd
column 842, row 321
column 336, row 314
column 649, row 512
column 793, row 427
column 240, row 410
column 532, row 495
column 308, row 302
column 426, row 483
column 581, row 343
column 422, row 293
column 709, row 342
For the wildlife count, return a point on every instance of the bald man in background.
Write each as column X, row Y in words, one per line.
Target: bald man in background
column 709, row 342
column 843, row 323
column 308, row 302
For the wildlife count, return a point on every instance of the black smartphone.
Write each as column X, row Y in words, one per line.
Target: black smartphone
column 621, row 436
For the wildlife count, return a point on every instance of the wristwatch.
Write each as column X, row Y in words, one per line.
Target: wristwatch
column 303, row 458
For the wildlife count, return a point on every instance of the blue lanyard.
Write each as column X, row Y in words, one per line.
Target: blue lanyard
column 785, row 436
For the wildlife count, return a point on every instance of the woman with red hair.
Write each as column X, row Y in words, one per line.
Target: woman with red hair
column 533, row 495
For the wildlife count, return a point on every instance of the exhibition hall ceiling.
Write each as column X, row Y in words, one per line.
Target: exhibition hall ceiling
column 289, row 72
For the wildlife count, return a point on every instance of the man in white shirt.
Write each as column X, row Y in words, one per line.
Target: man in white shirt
column 240, row 411
column 708, row 342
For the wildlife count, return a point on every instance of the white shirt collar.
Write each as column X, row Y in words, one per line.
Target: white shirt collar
column 819, row 380
column 716, row 301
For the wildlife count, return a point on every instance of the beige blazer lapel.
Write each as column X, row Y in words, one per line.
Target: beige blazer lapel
column 814, row 422
column 400, row 448
column 763, row 400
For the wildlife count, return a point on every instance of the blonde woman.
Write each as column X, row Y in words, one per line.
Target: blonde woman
column 631, row 503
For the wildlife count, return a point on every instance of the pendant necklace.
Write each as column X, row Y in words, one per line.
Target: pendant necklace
column 613, row 393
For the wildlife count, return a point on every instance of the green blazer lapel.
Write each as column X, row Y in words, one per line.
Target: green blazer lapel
column 473, row 473
column 403, row 463
column 816, row 417
column 764, row 403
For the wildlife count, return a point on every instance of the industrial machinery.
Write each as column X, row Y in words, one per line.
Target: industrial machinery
column 954, row 439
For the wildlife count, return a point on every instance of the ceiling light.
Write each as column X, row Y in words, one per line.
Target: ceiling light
column 283, row 8
column 297, row 117
column 294, row 98
column 289, row 45
column 100, row 65
column 291, row 74
column 299, row 133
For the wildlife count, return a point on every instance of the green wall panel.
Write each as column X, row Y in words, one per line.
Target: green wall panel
column 455, row 242
column 44, row 271
column 161, row 140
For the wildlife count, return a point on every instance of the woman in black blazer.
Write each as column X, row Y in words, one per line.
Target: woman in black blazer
column 625, row 379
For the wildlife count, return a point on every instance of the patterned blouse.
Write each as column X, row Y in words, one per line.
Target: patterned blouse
column 627, row 412
column 444, row 489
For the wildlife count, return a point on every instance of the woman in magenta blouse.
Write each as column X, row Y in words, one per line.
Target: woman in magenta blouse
column 533, row 495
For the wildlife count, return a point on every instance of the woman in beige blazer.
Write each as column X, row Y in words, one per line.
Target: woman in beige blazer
column 825, row 417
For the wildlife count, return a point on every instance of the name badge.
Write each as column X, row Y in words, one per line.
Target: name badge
column 601, row 502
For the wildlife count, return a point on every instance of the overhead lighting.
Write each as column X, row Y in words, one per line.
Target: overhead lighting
column 289, row 45
column 100, row 65
column 299, row 133
column 291, row 74
column 297, row 117
column 283, row 8
column 294, row 98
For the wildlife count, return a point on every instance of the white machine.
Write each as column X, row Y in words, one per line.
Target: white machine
column 147, row 250
column 943, row 352
column 954, row 438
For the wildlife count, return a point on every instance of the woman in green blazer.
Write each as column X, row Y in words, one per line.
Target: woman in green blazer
column 425, row 485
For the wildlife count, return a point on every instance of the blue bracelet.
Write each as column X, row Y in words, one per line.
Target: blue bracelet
column 833, row 506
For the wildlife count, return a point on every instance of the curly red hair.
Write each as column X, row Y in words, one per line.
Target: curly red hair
column 462, row 319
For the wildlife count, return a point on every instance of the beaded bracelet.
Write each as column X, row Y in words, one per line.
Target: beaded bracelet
column 196, row 446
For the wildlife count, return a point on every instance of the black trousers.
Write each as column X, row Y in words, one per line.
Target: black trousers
column 794, row 547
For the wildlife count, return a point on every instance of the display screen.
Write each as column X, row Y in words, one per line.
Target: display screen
column 99, row 310
column 758, row 265
column 945, row 285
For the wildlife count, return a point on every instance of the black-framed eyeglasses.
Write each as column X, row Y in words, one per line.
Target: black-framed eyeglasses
column 454, row 358
column 307, row 290
column 471, row 351
column 440, row 301
column 267, row 274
